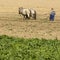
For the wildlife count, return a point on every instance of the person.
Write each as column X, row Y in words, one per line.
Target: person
column 52, row 15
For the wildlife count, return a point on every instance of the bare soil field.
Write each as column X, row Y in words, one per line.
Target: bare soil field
column 12, row 24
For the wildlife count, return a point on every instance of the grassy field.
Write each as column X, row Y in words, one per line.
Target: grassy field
column 12, row 48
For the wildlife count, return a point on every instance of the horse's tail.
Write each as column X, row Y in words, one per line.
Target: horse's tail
column 30, row 13
column 35, row 15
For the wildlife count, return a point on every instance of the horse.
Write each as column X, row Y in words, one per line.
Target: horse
column 33, row 14
column 27, row 13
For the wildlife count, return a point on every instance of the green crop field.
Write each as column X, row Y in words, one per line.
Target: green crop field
column 12, row 48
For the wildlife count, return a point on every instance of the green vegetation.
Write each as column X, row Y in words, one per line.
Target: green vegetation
column 12, row 48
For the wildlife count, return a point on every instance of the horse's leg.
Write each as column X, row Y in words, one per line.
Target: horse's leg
column 28, row 15
column 24, row 17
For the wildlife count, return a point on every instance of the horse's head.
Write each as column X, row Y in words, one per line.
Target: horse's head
column 20, row 10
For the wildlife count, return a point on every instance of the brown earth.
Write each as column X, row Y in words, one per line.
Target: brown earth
column 12, row 24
